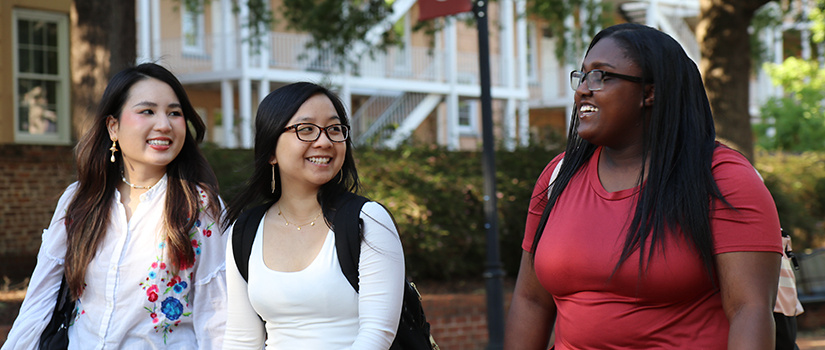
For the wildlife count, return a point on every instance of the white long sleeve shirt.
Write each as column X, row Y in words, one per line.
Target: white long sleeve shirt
column 316, row 308
column 132, row 298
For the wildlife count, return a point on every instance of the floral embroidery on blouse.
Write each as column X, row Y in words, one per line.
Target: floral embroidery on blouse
column 168, row 292
column 78, row 311
column 165, row 295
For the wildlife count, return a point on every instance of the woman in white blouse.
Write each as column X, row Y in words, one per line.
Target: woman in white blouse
column 297, row 297
column 137, row 235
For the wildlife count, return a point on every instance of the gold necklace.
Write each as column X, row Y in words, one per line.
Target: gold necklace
column 311, row 223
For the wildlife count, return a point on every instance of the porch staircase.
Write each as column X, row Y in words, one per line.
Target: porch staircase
column 387, row 121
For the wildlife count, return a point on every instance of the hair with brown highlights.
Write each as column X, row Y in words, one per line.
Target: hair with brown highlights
column 87, row 217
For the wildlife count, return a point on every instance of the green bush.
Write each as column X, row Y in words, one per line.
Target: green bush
column 797, row 183
column 436, row 196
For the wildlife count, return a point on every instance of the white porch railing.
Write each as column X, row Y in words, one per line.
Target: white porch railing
column 368, row 112
column 381, row 127
column 288, row 51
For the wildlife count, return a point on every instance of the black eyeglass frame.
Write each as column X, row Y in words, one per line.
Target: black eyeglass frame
column 320, row 128
column 584, row 75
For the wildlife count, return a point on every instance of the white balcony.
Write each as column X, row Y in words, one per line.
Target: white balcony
column 221, row 58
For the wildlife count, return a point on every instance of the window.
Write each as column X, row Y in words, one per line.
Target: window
column 467, row 117
column 193, row 32
column 41, row 77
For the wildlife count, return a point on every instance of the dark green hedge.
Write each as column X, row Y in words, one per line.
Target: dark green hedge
column 436, row 196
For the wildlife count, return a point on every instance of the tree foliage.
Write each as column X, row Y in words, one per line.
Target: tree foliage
column 340, row 25
column 572, row 37
column 336, row 26
column 796, row 120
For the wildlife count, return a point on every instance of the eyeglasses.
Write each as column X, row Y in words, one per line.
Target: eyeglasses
column 309, row 132
column 595, row 79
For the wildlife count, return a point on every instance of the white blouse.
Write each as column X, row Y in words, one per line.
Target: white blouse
column 316, row 308
column 132, row 299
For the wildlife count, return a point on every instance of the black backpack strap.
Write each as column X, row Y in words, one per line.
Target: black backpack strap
column 413, row 329
column 347, row 225
column 243, row 235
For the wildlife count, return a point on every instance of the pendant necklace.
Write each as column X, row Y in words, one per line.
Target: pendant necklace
column 298, row 227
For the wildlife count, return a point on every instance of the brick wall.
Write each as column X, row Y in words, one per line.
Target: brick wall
column 458, row 321
column 32, row 178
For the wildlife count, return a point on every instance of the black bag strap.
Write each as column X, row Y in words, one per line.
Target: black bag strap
column 347, row 225
column 789, row 251
column 56, row 333
column 243, row 235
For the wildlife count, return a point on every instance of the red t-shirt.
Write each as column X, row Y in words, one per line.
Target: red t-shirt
column 674, row 304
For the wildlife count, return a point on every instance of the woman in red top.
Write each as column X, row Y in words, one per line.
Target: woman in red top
column 652, row 234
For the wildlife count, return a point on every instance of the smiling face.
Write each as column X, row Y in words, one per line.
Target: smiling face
column 313, row 163
column 612, row 116
column 151, row 129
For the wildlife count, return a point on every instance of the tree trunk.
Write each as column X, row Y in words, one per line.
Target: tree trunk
column 103, row 41
column 723, row 37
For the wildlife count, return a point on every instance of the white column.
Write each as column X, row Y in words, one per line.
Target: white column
column 346, row 92
column 263, row 89
column 805, row 32
column 245, row 84
column 217, row 35
column 227, row 111
column 439, row 58
column 227, row 35
column 156, row 51
column 521, row 44
column 652, row 14
column 245, row 110
column 438, row 76
column 451, row 58
column 263, row 50
column 144, row 32
column 507, row 54
column 778, row 55
column 569, row 65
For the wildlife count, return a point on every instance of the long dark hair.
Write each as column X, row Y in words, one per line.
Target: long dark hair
column 679, row 141
column 88, row 215
column 274, row 113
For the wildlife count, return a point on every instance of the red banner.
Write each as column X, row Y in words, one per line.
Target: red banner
column 428, row 9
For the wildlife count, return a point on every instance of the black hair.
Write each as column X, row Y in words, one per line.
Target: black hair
column 678, row 142
column 273, row 115
column 88, row 214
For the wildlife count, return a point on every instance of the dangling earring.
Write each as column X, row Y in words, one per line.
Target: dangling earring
column 113, row 149
column 273, row 184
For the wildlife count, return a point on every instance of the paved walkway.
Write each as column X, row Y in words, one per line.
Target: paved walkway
column 811, row 342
